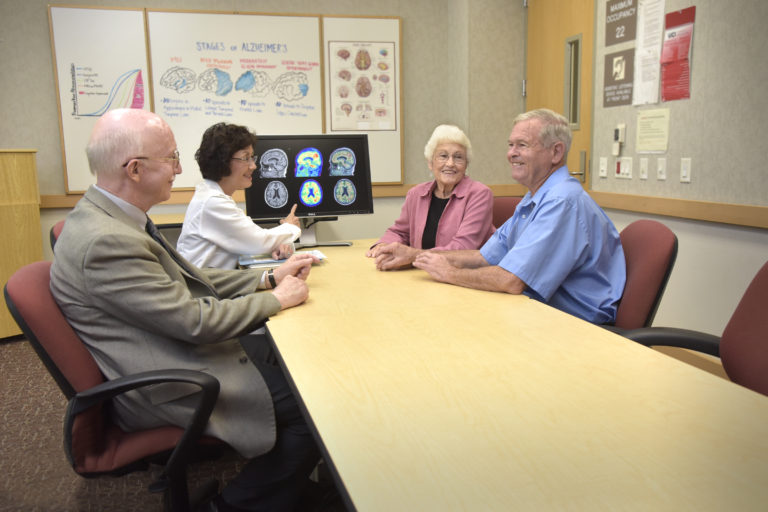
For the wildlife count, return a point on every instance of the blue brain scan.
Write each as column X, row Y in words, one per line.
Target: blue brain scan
column 311, row 194
column 344, row 192
column 342, row 162
column 309, row 163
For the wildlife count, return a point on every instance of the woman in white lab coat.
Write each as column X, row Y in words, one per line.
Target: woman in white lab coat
column 215, row 230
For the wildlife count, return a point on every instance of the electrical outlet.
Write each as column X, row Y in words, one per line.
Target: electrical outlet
column 624, row 168
column 603, row 171
column 643, row 168
column 661, row 168
column 685, row 170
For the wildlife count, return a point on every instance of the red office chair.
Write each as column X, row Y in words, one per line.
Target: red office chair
column 55, row 232
column 94, row 445
column 650, row 250
column 743, row 346
column 503, row 209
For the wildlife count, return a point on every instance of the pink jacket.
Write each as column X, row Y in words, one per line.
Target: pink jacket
column 465, row 223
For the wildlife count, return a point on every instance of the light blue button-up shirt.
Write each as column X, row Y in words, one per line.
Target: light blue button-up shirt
column 566, row 250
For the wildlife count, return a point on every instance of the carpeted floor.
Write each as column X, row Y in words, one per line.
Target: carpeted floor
column 35, row 474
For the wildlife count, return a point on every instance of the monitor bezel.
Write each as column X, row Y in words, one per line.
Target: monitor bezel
column 362, row 165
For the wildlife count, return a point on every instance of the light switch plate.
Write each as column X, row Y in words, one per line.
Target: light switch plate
column 685, row 170
column 661, row 168
column 643, row 168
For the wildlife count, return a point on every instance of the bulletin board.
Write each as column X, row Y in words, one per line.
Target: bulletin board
column 194, row 69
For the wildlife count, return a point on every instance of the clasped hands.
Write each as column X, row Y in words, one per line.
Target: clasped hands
column 395, row 256
column 291, row 276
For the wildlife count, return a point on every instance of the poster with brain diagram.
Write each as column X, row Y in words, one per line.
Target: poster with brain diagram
column 255, row 70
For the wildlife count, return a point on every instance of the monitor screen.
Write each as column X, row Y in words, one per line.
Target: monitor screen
column 324, row 175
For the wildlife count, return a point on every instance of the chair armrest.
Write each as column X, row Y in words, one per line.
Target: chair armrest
column 673, row 337
column 208, row 384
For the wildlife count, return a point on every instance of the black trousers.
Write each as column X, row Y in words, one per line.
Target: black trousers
column 276, row 480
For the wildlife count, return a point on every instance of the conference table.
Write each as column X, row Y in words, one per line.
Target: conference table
column 427, row 396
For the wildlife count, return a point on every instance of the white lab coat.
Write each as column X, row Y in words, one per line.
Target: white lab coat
column 216, row 231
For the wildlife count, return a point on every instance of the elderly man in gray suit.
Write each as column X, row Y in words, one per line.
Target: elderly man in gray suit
column 138, row 305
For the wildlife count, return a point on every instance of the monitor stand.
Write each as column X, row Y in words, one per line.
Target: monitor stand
column 309, row 235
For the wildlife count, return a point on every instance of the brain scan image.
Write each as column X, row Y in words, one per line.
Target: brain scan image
column 344, row 192
column 342, row 162
column 311, row 194
column 276, row 194
column 273, row 164
column 309, row 163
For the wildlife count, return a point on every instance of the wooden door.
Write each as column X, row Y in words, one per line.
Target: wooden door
column 559, row 32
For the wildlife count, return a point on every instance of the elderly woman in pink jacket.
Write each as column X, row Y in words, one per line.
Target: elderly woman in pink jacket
column 451, row 212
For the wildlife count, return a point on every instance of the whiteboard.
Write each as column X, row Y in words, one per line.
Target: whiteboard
column 363, row 92
column 100, row 59
column 260, row 71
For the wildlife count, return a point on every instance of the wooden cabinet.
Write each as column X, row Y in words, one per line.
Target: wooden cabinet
column 19, row 221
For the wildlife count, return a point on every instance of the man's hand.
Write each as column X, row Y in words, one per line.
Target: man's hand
column 434, row 264
column 282, row 252
column 393, row 256
column 297, row 266
column 291, row 291
column 291, row 218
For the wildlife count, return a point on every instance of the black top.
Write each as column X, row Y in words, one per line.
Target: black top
column 436, row 207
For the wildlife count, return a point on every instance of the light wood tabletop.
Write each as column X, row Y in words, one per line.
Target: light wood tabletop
column 428, row 396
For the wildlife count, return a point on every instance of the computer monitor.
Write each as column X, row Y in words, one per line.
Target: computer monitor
column 324, row 175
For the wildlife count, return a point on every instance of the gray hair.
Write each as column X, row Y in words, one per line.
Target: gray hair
column 447, row 134
column 554, row 127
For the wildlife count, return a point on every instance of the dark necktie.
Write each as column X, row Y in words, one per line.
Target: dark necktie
column 155, row 233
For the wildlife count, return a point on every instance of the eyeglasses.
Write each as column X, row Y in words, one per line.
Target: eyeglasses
column 458, row 158
column 252, row 158
column 173, row 159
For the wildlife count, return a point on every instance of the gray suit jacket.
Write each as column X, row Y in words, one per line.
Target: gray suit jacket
column 136, row 309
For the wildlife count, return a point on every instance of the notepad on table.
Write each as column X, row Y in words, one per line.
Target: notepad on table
column 264, row 261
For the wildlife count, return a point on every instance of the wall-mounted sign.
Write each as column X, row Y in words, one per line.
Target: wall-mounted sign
column 619, row 78
column 620, row 21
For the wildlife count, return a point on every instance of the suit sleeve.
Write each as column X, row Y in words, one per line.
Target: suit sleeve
column 131, row 281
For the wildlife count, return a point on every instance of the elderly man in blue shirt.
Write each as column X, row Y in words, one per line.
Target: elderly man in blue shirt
column 559, row 247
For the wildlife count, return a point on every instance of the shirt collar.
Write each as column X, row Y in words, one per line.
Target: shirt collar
column 560, row 175
column 135, row 213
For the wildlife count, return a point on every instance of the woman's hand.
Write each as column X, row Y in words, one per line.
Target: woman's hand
column 393, row 256
column 291, row 218
column 283, row 252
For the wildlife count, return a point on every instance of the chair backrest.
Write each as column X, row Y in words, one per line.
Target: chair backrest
column 66, row 358
column 744, row 343
column 503, row 209
column 29, row 299
column 55, row 232
column 650, row 250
